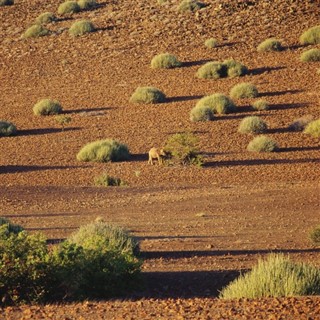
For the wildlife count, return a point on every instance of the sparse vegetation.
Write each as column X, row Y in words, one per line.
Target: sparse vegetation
column 104, row 180
column 235, row 68
column 312, row 55
column 218, row 103
column 211, row 43
column 63, row 120
column 300, row 123
column 182, row 147
column 311, row 36
column 81, row 27
column 201, row 113
column 190, row 5
column 47, row 107
column 104, row 151
column 277, row 276
column 68, row 7
column 6, row 3
column 313, row 128
column 7, row 129
column 87, row 4
column 260, row 105
column 35, row 31
column 165, row 61
column 252, row 125
column 262, row 144
column 148, row 95
column 243, row 90
column 46, row 17
column 315, row 235
column 271, row 44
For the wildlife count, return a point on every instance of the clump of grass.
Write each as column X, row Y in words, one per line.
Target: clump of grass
column 35, row 31
column 300, row 123
column 190, row 5
column 311, row 36
column 6, row 3
column 211, row 43
column 47, row 107
column 253, row 125
column 87, row 4
column 218, row 103
column 212, row 70
column 105, row 180
column 243, row 90
column 104, row 151
column 271, row 44
column 315, row 235
column 148, row 95
column 235, row 68
column 260, row 105
column 201, row 113
column 7, row 129
column 313, row 128
column 262, row 144
column 312, row 55
column 63, row 120
column 46, row 17
column 68, row 7
column 182, row 147
column 277, row 276
column 81, row 27
column 165, row 61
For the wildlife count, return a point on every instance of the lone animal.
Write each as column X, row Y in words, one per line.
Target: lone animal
column 155, row 153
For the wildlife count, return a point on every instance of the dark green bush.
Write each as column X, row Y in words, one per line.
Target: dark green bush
column 104, row 151
column 7, row 128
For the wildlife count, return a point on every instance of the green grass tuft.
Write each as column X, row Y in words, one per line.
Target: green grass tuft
column 165, row 61
column 212, row 70
column 271, row 44
column 262, row 144
column 218, row 103
column 277, row 276
column 312, row 55
column 47, row 107
column 243, row 90
column 260, row 105
column 253, row 125
column 35, row 31
column 7, row 129
column 104, row 151
column 201, row 113
column 147, row 95
column 87, row 4
column 313, row 128
column 81, row 27
column 235, row 68
column 311, row 36
column 211, row 43
column 68, row 7
column 46, row 17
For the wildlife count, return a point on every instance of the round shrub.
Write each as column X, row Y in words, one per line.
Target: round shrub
column 277, row 276
column 262, row 144
column 47, row 107
column 7, row 128
column 243, row 90
column 235, row 68
column 252, row 125
column 148, row 95
column 81, row 27
column 46, row 17
column 35, row 31
column 260, row 105
column 104, row 151
column 6, row 3
column 313, row 128
column 201, row 113
column 212, row 70
column 271, row 44
column 311, row 36
column 87, row 4
column 312, row 55
column 218, row 103
column 190, row 5
column 211, row 43
column 68, row 7
column 165, row 61
column 315, row 235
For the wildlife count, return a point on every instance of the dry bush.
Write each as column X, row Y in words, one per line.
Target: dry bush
column 68, row 7
column 262, row 144
column 218, row 103
column 81, row 27
column 87, row 4
column 201, row 113
column 46, row 17
column 47, row 107
column 312, row 55
column 235, row 68
column 7, row 129
column 212, row 70
column 271, row 44
column 165, row 61
column 35, row 31
column 243, row 90
column 313, row 128
column 311, row 36
column 260, row 105
column 148, row 95
column 253, row 125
